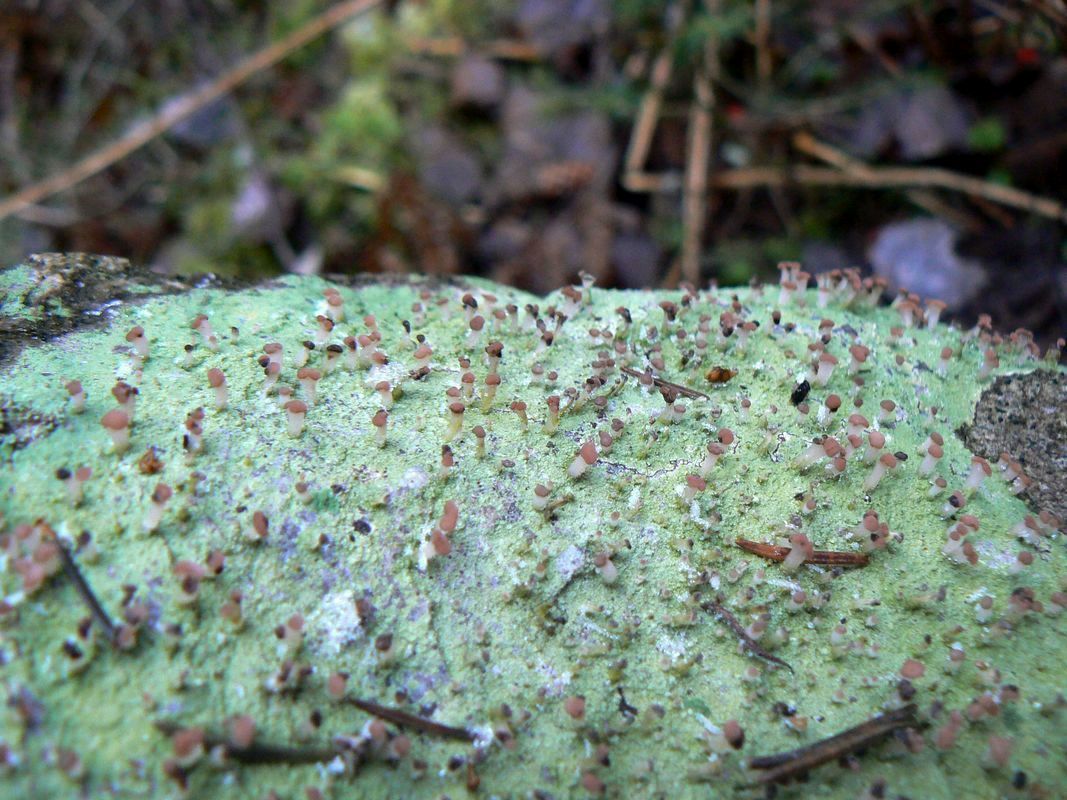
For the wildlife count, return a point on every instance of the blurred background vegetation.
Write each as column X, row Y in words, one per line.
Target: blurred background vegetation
column 644, row 142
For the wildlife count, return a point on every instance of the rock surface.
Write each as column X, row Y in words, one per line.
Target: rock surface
column 294, row 569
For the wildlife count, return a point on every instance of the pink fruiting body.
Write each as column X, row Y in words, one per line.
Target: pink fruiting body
column 160, row 496
column 203, row 327
column 139, row 341
column 385, row 394
column 217, row 381
column 541, row 496
column 826, row 364
column 126, row 396
column 887, row 462
column 694, row 484
column 933, row 454
column 979, row 471
column 455, row 420
column 552, row 422
column 875, row 443
column 380, row 422
column 296, row 411
column 492, row 382
column 117, row 424
column 519, row 407
column 75, row 483
column 859, row 355
column 801, row 549
column 711, row 458
column 575, row 707
column 587, row 456
column 273, row 351
column 609, row 573
column 77, row 396
column 309, row 378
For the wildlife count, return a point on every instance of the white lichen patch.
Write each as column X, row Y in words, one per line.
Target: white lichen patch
column 334, row 623
column 556, row 682
column 569, row 562
column 674, row 646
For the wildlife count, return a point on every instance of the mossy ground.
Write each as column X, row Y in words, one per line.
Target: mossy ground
column 517, row 615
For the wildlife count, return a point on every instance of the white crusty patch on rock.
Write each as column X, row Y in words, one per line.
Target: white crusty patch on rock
column 555, row 682
column 414, row 478
column 672, row 646
column 336, row 622
column 569, row 562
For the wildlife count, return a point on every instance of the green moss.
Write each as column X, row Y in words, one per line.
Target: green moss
column 987, row 135
column 516, row 614
column 16, row 285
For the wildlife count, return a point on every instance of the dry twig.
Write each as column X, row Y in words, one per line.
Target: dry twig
column 748, row 644
column 762, row 38
column 795, row 763
column 86, row 593
column 255, row 753
column 406, row 720
column 866, row 178
column 922, row 198
column 663, row 383
column 832, row 558
column 453, row 46
column 174, row 112
column 884, row 178
column 938, row 178
column 634, row 177
column 698, row 161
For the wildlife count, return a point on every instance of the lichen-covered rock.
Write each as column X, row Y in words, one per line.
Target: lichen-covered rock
column 480, row 508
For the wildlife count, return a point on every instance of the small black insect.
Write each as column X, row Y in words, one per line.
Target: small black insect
column 625, row 708
column 800, row 391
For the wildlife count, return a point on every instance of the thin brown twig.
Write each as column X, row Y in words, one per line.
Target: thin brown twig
column 256, row 752
column 762, row 37
column 453, row 46
column 869, row 44
column 924, row 199
column 555, row 505
column 1000, row 215
column 964, row 220
column 634, row 177
column 795, row 763
column 174, row 112
column 833, row 558
column 884, row 178
column 1005, row 195
column 869, row 178
column 86, row 593
column 406, row 720
column 698, row 161
column 748, row 644
column 663, row 383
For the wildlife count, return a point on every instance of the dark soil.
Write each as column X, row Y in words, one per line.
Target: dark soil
column 496, row 147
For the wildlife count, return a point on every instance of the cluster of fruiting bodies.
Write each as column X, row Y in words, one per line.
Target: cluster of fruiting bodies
column 629, row 541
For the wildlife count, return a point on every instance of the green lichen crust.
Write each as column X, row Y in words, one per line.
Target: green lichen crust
column 525, row 611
